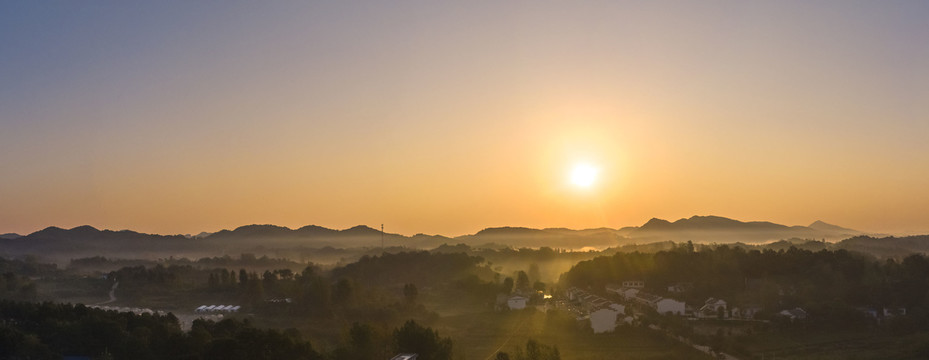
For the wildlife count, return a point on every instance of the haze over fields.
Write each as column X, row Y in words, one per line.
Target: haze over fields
column 177, row 117
column 475, row 180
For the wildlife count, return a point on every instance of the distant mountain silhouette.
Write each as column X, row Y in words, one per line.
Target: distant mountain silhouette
column 724, row 230
column 313, row 230
column 887, row 246
column 511, row 231
column 10, row 236
column 708, row 223
column 89, row 241
column 361, row 230
column 819, row 225
column 550, row 237
column 272, row 236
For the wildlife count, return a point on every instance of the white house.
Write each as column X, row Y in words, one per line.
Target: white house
column 616, row 289
column 630, row 294
column 793, row 314
column 618, row 307
column 516, row 302
column 405, row 357
column 603, row 320
column 635, row 284
column 712, row 308
column 665, row 306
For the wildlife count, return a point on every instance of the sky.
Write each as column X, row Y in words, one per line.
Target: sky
column 449, row 117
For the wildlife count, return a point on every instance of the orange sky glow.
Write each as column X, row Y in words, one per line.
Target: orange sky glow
column 450, row 118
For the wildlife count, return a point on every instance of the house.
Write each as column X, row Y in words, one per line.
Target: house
column 746, row 312
column 616, row 289
column 793, row 314
column 670, row 306
column 680, row 288
column 712, row 308
column 894, row 312
column 634, row 284
column 618, row 307
column 405, row 357
column 630, row 294
column 660, row 304
column 603, row 320
column 646, row 299
column 516, row 302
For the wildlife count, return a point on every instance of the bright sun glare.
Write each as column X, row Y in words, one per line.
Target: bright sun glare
column 583, row 175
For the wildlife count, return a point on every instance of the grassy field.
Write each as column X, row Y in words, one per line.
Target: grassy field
column 479, row 336
column 835, row 345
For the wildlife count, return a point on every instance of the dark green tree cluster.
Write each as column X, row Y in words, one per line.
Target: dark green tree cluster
column 51, row 331
column 533, row 351
column 364, row 341
column 17, row 287
column 420, row 267
column 833, row 286
column 27, row 266
column 414, row 338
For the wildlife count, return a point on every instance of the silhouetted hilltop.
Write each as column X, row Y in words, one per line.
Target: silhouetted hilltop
column 709, row 223
column 10, row 236
column 512, row 231
column 361, row 230
column 655, row 224
column 314, row 230
column 887, row 246
column 86, row 239
column 724, row 230
column 251, row 231
column 820, row 225
column 550, row 237
column 89, row 241
column 273, row 236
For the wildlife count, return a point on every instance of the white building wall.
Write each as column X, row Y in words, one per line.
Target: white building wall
column 670, row 305
column 603, row 320
column 516, row 303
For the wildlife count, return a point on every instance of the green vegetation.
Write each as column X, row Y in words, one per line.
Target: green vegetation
column 846, row 295
column 447, row 304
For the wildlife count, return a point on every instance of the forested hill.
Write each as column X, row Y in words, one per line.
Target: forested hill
column 57, row 244
column 831, row 285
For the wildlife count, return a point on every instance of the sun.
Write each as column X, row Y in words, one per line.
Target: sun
column 584, row 175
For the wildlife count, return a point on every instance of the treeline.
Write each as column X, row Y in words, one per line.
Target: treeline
column 16, row 274
column 419, row 267
column 247, row 260
column 833, row 286
column 53, row 331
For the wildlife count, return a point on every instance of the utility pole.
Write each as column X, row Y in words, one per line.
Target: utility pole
column 382, row 237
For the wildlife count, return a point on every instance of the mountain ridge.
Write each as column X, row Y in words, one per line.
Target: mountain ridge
column 691, row 224
column 87, row 240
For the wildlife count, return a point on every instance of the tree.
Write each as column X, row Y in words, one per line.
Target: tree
column 342, row 292
column 410, row 293
column 536, row 351
column 522, row 280
column 508, row 285
column 534, row 274
column 413, row 338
